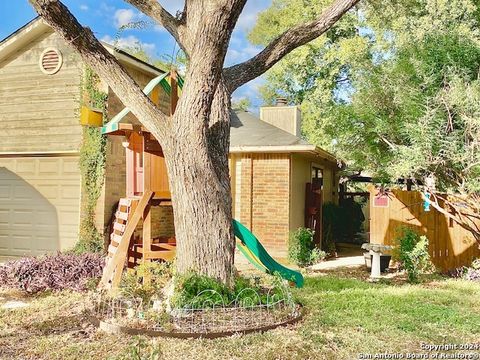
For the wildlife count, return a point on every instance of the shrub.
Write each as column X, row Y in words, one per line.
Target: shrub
column 199, row 291
column 317, row 255
column 301, row 248
column 471, row 273
column 52, row 272
column 412, row 253
column 158, row 274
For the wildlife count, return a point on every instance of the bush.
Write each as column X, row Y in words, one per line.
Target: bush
column 301, row 248
column 471, row 273
column 198, row 291
column 412, row 253
column 317, row 255
column 158, row 274
column 52, row 272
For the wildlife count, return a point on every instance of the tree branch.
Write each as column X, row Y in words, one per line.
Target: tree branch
column 242, row 73
column 94, row 54
column 458, row 218
column 154, row 10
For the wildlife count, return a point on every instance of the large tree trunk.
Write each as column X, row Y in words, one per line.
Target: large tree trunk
column 197, row 162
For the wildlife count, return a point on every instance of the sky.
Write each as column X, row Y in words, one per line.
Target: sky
column 105, row 17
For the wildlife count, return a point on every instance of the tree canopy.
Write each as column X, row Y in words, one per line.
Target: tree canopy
column 393, row 89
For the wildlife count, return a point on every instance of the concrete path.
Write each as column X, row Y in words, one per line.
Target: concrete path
column 349, row 261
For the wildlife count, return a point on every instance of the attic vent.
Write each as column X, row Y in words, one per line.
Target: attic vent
column 50, row 61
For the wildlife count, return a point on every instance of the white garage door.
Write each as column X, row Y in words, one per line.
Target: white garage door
column 39, row 204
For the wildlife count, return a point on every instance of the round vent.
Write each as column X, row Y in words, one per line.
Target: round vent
column 50, row 61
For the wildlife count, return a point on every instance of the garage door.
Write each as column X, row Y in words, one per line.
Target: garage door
column 39, row 204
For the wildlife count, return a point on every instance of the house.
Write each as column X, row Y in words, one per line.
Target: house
column 275, row 174
column 40, row 180
column 271, row 167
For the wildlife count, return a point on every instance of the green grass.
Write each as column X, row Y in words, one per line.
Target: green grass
column 344, row 317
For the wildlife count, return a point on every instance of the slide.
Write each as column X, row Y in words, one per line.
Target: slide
column 258, row 256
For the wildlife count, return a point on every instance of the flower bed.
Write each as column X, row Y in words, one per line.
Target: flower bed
column 52, row 272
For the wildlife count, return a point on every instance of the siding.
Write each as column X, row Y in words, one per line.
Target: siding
column 39, row 112
column 301, row 174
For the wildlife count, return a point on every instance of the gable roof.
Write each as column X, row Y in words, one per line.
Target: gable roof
column 248, row 130
column 249, row 134
column 35, row 28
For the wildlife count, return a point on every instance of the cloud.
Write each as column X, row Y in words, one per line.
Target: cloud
column 125, row 16
column 129, row 42
column 173, row 5
column 84, row 7
column 239, row 50
column 105, row 8
column 248, row 17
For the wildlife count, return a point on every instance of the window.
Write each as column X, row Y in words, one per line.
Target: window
column 317, row 178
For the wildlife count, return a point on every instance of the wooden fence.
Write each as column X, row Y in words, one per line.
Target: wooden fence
column 450, row 245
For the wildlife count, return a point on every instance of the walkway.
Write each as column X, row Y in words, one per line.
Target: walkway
column 348, row 262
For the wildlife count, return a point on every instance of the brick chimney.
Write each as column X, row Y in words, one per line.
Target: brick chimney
column 283, row 116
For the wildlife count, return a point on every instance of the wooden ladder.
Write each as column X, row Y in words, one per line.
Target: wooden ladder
column 124, row 211
column 129, row 213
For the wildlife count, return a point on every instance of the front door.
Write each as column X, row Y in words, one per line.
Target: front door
column 135, row 173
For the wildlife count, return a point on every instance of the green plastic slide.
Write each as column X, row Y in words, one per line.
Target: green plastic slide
column 259, row 257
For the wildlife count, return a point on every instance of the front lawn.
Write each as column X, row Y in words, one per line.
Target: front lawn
column 345, row 316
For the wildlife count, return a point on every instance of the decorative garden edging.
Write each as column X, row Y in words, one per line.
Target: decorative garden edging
column 207, row 315
column 118, row 329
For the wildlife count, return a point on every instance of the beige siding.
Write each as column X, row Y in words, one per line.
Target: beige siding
column 39, row 204
column 39, row 112
column 328, row 182
column 287, row 118
column 300, row 175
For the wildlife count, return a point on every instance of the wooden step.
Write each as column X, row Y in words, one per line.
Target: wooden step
column 164, row 255
column 116, row 238
column 125, row 202
column 121, row 215
column 112, row 249
column 112, row 272
column 119, row 227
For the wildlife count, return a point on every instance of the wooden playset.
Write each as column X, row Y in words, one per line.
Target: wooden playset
column 146, row 186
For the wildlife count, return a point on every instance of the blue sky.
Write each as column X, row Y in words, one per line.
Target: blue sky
column 105, row 17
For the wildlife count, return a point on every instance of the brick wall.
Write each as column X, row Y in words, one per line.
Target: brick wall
column 115, row 179
column 162, row 221
column 264, row 199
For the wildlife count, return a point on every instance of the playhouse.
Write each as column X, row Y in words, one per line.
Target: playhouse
column 146, row 187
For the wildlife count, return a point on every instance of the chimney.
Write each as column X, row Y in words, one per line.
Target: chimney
column 281, row 101
column 287, row 118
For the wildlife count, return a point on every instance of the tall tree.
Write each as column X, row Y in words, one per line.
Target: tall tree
column 398, row 97
column 401, row 97
column 195, row 140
